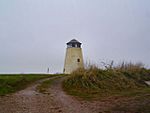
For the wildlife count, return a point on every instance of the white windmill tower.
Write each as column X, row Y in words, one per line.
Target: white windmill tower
column 74, row 57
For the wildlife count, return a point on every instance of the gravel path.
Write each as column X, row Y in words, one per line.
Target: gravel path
column 55, row 101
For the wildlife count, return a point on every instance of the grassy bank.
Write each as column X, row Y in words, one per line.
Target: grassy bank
column 122, row 80
column 10, row 83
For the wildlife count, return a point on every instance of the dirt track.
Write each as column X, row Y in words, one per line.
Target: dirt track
column 54, row 101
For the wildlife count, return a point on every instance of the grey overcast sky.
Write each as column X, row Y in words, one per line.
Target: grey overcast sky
column 33, row 33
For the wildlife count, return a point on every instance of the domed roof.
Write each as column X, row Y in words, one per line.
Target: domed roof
column 74, row 41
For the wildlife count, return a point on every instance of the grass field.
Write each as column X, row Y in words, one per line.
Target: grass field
column 10, row 83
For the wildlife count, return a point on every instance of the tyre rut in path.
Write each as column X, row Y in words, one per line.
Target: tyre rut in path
column 67, row 103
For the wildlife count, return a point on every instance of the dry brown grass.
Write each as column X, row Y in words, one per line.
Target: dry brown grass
column 112, row 80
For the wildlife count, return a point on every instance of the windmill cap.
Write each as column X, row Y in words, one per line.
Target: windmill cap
column 74, row 41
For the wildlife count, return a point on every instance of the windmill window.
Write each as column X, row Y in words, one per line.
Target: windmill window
column 79, row 45
column 73, row 45
column 78, row 60
column 64, row 69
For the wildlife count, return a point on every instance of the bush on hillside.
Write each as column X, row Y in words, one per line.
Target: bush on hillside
column 122, row 77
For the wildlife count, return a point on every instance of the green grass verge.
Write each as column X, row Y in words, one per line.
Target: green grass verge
column 100, row 94
column 10, row 83
column 43, row 87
